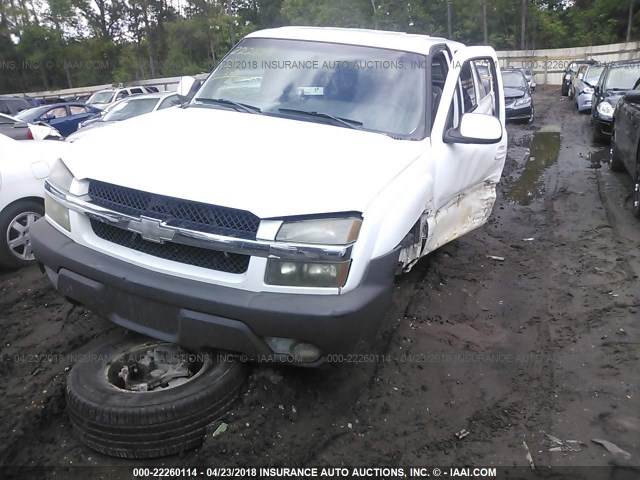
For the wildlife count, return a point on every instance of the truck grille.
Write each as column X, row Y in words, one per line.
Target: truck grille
column 199, row 257
column 176, row 212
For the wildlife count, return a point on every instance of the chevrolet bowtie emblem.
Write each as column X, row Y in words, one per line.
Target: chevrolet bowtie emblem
column 151, row 229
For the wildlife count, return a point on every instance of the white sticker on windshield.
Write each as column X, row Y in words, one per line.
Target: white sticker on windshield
column 308, row 91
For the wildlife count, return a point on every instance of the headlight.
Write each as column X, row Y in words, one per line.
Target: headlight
column 605, row 110
column 328, row 231
column 57, row 212
column 61, row 177
column 567, row 76
column 522, row 101
column 299, row 274
column 588, row 90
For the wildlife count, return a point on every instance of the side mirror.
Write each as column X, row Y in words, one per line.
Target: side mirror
column 475, row 128
column 187, row 87
column 48, row 117
column 632, row 96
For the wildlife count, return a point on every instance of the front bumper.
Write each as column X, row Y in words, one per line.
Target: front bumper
column 604, row 126
column 199, row 315
column 584, row 101
column 518, row 113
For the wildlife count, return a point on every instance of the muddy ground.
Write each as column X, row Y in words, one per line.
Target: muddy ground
column 544, row 342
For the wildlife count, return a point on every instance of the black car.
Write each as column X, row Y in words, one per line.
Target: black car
column 625, row 148
column 569, row 73
column 615, row 80
column 518, row 101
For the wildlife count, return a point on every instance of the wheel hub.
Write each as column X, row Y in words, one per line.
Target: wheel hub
column 18, row 236
column 153, row 367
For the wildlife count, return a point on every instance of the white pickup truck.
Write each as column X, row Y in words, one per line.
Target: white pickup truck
column 265, row 217
column 269, row 215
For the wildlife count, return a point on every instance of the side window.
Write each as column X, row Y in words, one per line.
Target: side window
column 58, row 112
column 467, row 87
column 136, row 91
column 122, row 94
column 477, row 91
column 77, row 110
column 487, row 86
column 171, row 101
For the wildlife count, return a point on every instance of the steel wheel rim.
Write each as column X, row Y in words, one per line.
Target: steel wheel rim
column 195, row 364
column 18, row 235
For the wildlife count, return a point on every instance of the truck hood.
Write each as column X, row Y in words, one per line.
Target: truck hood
column 273, row 167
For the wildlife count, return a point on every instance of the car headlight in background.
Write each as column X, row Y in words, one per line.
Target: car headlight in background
column 567, row 76
column 605, row 110
column 326, row 231
column 60, row 177
column 522, row 101
column 587, row 90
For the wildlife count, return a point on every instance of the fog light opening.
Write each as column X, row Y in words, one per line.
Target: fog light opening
column 305, row 352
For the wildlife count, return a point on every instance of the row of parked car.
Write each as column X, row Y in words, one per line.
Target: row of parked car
column 102, row 108
column 22, row 181
column 611, row 93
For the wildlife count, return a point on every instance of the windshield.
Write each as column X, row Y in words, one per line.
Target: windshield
column 513, row 80
column 31, row 114
column 130, row 108
column 364, row 85
column 623, row 77
column 592, row 75
column 101, row 97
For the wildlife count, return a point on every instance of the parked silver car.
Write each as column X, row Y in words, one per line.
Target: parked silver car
column 584, row 84
column 530, row 76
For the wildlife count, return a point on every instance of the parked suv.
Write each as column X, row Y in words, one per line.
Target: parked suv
column 13, row 105
column 268, row 216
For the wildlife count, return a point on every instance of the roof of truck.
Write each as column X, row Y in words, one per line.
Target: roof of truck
column 402, row 41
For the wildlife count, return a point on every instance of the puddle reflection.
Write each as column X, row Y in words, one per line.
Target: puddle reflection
column 544, row 147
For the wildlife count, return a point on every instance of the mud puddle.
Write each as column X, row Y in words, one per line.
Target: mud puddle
column 544, row 147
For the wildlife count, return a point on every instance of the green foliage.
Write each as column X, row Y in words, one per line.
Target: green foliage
column 72, row 43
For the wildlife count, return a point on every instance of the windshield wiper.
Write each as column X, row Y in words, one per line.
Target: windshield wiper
column 345, row 122
column 243, row 107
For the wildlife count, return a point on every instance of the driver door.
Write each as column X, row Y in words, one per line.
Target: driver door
column 465, row 174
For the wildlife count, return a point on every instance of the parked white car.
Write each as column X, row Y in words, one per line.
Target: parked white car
column 267, row 217
column 103, row 98
column 23, row 168
column 126, row 109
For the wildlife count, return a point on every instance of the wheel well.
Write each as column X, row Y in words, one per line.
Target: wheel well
column 39, row 200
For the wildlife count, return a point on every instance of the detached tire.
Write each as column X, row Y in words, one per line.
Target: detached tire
column 147, row 424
